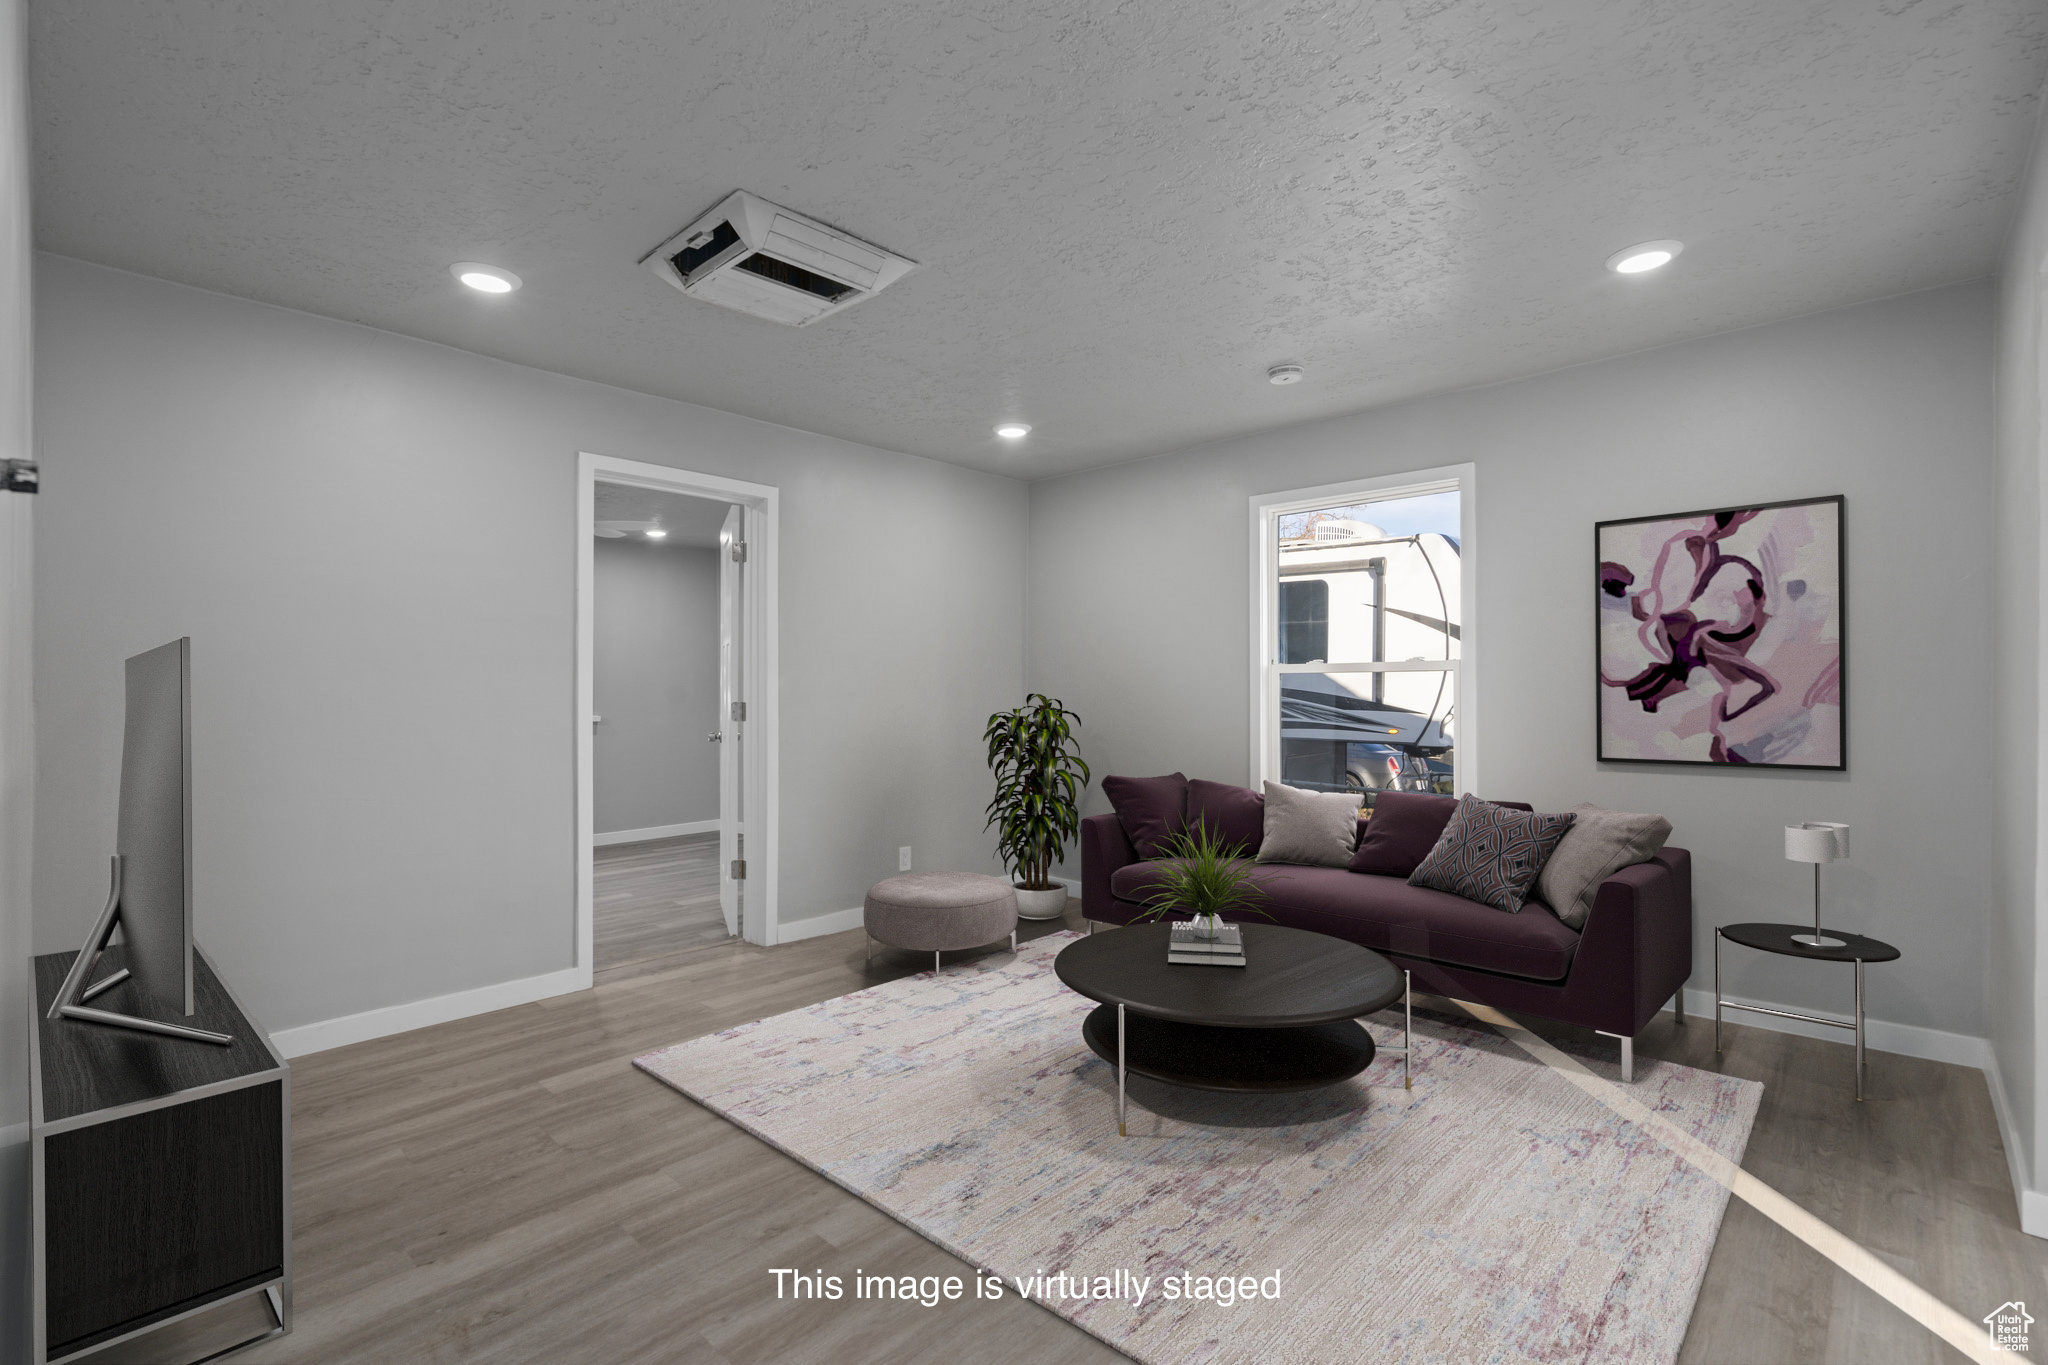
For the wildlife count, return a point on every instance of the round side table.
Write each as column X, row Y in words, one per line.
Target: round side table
column 1777, row 938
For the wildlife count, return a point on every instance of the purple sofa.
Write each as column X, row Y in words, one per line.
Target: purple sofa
column 1614, row 975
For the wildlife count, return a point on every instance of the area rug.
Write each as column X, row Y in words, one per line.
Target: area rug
column 1496, row 1212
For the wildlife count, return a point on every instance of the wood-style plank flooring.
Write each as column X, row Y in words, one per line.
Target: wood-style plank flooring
column 507, row 1188
column 651, row 901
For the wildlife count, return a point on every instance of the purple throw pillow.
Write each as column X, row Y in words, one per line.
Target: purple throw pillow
column 1490, row 853
column 1151, row 809
column 1236, row 815
column 1404, row 828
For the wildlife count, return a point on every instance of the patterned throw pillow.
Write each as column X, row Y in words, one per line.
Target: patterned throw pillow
column 1491, row 854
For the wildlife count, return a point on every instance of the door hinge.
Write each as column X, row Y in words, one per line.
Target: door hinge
column 739, row 710
column 19, row 476
column 739, row 869
column 739, row 552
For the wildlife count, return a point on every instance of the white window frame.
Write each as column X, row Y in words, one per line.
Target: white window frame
column 1266, row 670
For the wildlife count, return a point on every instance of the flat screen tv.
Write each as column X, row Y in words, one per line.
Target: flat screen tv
column 151, row 897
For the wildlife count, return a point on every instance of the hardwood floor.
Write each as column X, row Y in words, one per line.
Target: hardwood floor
column 507, row 1188
column 651, row 901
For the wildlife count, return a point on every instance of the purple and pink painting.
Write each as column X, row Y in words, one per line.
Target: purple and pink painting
column 1721, row 636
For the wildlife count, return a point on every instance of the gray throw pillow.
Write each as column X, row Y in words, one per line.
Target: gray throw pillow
column 1599, row 844
column 1319, row 829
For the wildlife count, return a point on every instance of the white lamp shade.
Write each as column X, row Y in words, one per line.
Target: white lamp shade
column 1816, row 842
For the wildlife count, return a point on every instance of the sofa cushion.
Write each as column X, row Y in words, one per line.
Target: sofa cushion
column 1404, row 828
column 1319, row 829
column 1599, row 844
column 1388, row 915
column 1236, row 815
column 1151, row 809
column 1490, row 853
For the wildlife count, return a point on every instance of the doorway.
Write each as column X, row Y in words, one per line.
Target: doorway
column 674, row 714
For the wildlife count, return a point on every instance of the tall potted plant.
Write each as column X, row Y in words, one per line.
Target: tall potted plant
column 1036, row 809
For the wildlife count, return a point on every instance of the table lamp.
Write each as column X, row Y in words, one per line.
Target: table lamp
column 1817, row 842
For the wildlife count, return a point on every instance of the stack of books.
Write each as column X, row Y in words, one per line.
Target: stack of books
column 1190, row 946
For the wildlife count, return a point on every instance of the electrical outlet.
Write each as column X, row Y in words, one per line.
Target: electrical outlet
column 903, row 858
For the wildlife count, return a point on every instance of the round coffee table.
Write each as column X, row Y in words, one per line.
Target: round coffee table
column 1287, row 1020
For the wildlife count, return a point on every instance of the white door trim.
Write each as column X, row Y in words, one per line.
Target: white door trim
column 760, row 647
column 1267, row 509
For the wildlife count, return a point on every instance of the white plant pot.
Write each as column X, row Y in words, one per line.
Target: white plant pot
column 1040, row 904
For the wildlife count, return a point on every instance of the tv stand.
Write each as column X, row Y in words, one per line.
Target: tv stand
column 72, row 995
column 161, row 1172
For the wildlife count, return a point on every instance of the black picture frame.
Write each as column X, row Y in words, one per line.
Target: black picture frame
column 1601, row 687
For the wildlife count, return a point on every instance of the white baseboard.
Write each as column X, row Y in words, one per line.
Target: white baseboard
column 641, row 836
column 2034, row 1213
column 382, row 1023
column 816, row 926
column 1908, row 1040
column 2033, row 1203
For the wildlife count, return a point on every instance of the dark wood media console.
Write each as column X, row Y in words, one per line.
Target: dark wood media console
column 161, row 1167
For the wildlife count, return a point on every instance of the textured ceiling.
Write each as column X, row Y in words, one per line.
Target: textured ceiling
column 1124, row 212
column 692, row 523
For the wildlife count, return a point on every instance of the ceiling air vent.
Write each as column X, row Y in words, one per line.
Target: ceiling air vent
column 750, row 255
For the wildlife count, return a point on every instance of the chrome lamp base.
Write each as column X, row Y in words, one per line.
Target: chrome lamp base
column 1817, row 939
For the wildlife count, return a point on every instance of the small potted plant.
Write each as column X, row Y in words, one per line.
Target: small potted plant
column 1201, row 875
column 1037, row 808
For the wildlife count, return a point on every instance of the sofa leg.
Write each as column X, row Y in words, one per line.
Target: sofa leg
column 1407, row 1030
column 1678, row 1006
column 935, row 962
column 1628, row 1055
column 1013, row 940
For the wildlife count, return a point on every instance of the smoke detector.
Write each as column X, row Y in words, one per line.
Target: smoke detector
column 771, row 262
column 1285, row 374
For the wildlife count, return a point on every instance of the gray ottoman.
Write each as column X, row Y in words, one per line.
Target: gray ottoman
column 929, row 912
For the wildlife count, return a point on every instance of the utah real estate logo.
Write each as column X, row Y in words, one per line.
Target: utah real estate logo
column 2008, row 1325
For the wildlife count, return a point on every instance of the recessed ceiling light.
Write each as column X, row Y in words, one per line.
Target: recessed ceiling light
column 656, row 534
column 1013, row 431
column 1634, row 260
column 1285, row 374
column 485, row 279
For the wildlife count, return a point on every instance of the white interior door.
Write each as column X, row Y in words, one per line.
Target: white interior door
column 732, row 724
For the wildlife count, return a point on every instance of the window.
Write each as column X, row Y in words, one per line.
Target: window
column 1304, row 621
column 1362, row 655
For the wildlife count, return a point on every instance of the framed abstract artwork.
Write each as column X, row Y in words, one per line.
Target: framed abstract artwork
column 1720, row 637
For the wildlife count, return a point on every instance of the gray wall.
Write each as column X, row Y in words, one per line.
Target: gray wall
column 372, row 542
column 17, row 722
column 655, row 674
column 1139, row 606
column 2014, row 966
